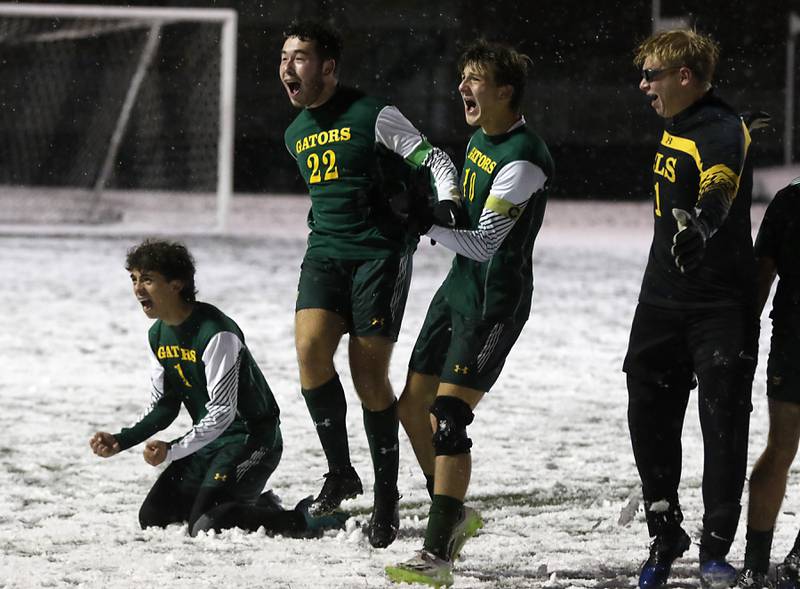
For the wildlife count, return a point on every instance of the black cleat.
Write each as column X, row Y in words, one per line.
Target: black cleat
column 664, row 550
column 750, row 579
column 340, row 484
column 787, row 574
column 385, row 521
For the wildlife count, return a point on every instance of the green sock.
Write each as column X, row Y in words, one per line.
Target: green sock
column 757, row 549
column 328, row 408
column 381, row 428
column 442, row 518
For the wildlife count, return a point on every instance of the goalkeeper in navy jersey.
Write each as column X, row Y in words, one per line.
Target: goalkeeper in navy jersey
column 218, row 469
column 479, row 311
column 696, row 322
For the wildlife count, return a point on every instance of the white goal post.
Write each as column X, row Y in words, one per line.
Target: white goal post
column 209, row 119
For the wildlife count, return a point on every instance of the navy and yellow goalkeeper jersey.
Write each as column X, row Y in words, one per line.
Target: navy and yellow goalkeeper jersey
column 702, row 151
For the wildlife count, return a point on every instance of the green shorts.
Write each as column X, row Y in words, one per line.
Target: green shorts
column 460, row 350
column 370, row 295
column 242, row 468
column 783, row 367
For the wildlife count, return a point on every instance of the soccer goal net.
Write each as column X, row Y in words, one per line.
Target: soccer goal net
column 101, row 104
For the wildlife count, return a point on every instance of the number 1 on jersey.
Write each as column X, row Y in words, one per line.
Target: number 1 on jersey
column 183, row 377
column 658, row 202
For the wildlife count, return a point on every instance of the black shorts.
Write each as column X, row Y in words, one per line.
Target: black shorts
column 230, row 462
column 783, row 366
column 370, row 295
column 460, row 350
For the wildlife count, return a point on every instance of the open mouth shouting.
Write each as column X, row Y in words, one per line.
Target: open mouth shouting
column 292, row 87
column 146, row 303
column 470, row 106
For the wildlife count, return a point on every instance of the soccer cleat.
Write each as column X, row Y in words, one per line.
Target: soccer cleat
column 750, row 579
column 717, row 573
column 466, row 528
column 425, row 568
column 270, row 501
column 340, row 484
column 663, row 552
column 315, row 525
column 221, row 517
column 385, row 520
column 787, row 574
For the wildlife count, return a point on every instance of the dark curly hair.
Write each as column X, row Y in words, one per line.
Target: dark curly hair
column 169, row 258
column 327, row 40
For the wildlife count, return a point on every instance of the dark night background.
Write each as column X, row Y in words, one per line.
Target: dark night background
column 582, row 96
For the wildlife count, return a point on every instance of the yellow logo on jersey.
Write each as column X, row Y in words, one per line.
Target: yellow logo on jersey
column 484, row 162
column 322, row 138
column 176, row 352
column 220, row 477
column 459, row 369
column 665, row 166
column 377, row 321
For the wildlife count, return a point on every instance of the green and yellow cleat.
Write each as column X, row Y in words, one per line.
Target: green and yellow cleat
column 423, row 568
column 466, row 528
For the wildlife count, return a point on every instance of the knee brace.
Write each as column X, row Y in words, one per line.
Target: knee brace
column 452, row 418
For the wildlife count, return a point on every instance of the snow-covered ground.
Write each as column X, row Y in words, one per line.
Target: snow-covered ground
column 553, row 471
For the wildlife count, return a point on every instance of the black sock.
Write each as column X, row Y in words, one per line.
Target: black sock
column 429, row 484
column 443, row 516
column 381, row 428
column 757, row 550
column 328, row 408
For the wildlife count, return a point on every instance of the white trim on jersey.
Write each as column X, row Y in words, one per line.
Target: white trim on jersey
column 156, row 383
column 516, row 183
column 395, row 132
column 222, row 359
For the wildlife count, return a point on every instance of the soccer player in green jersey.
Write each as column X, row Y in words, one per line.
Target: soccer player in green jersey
column 480, row 309
column 357, row 268
column 199, row 359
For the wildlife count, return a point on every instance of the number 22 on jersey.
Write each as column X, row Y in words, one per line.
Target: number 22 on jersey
column 328, row 165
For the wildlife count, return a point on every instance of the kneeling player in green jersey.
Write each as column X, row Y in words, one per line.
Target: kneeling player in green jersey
column 199, row 359
column 357, row 268
column 478, row 312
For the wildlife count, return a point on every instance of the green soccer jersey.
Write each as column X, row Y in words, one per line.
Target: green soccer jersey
column 502, row 183
column 204, row 364
column 341, row 150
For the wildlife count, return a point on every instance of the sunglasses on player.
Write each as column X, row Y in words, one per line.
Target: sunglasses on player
column 650, row 74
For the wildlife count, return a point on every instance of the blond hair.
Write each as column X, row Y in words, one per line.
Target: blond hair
column 680, row 47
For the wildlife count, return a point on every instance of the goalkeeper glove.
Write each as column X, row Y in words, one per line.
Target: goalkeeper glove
column 689, row 243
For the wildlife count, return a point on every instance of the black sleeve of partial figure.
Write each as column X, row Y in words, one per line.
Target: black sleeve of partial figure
column 713, row 209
